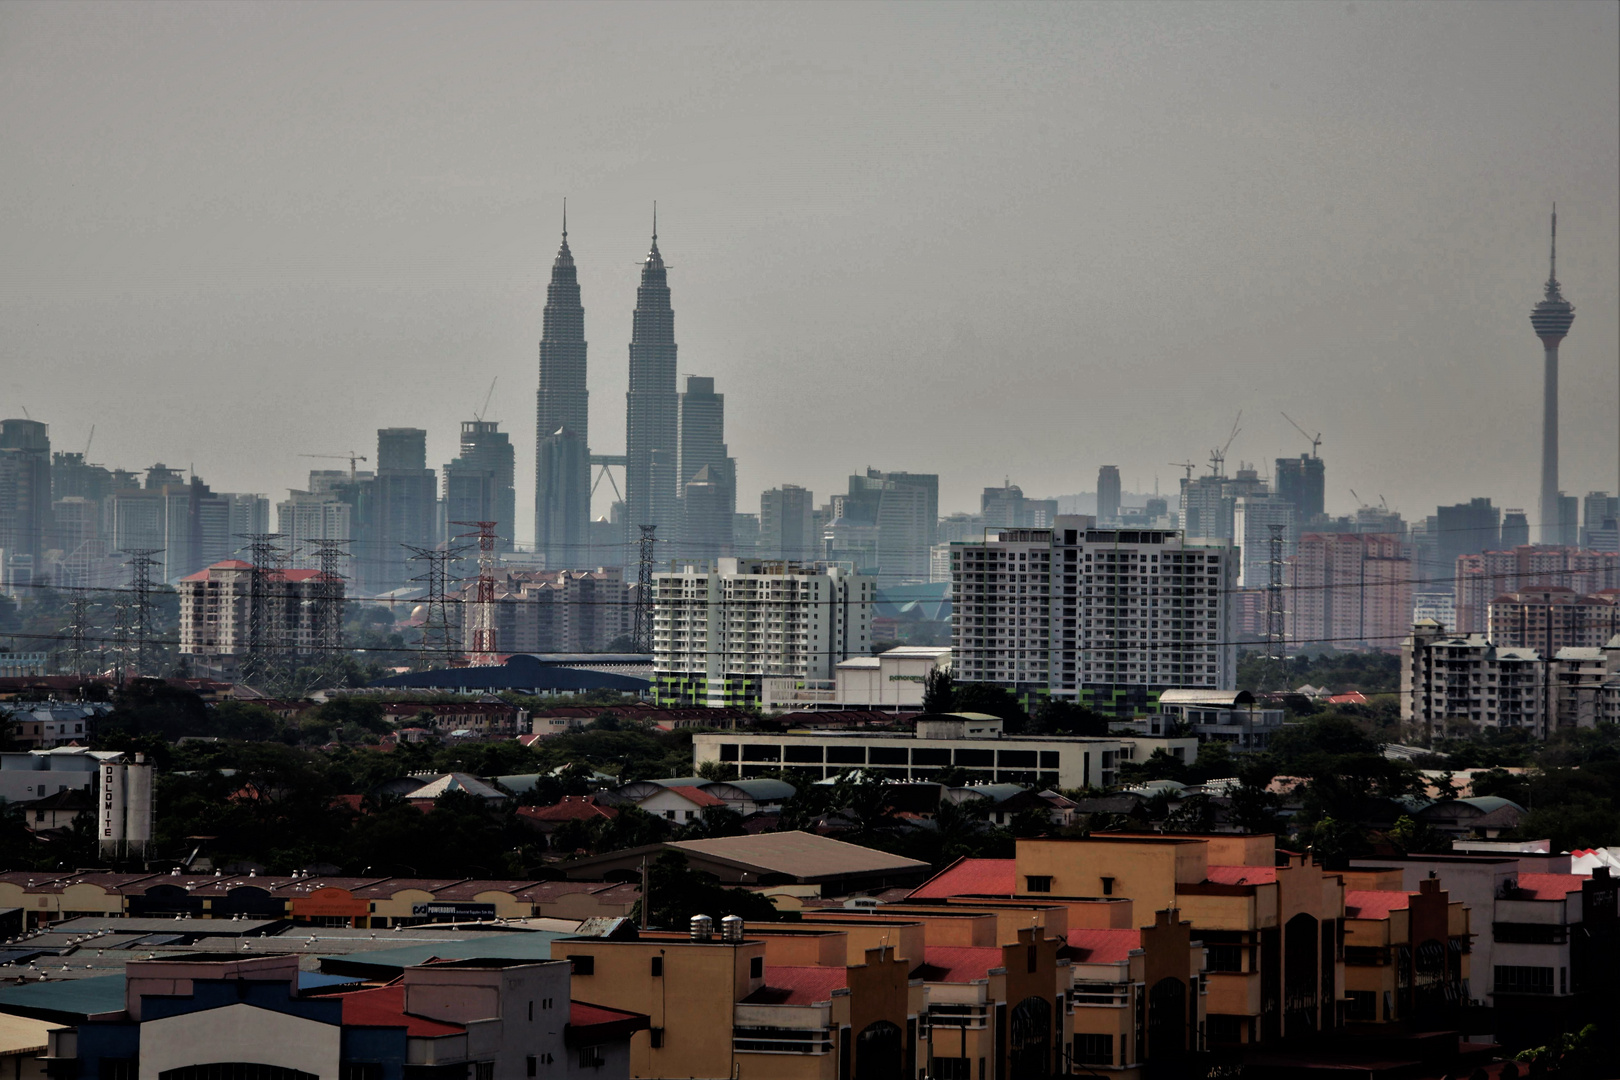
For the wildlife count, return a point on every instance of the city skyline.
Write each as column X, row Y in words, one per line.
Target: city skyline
column 1332, row 269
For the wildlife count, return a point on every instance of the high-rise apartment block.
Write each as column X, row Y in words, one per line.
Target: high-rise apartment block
column 1482, row 578
column 562, row 493
column 216, row 610
column 1105, row 617
column 1349, row 589
column 1108, row 494
column 886, row 522
column 1549, row 618
column 717, row 633
column 1256, row 519
column 787, row 528
column 651, row 486
column 558, row 611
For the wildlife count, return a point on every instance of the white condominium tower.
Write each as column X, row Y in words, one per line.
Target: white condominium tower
column 1106, row 618
column 718, row 632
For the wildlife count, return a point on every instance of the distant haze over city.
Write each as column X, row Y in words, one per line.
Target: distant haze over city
column 988, row 242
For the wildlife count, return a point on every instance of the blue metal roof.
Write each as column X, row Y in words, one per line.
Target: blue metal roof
column 65, row 998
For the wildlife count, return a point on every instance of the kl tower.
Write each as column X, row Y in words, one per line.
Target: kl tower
column 1551, row 319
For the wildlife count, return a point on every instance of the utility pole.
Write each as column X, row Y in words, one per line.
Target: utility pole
column 78, row 625
column 483, row 653
column 438, row 636
column 642, row 634
column 263, row 618
column 1276, row 629
column 138, row 614
column 328, row 605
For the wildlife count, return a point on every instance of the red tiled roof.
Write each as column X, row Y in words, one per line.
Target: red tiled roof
column 1550, row 886
column 957, row 963
column 798, row 985
column 385, row 1007
column 970, row 877
column 582, row 1014
column 1241, row 875
column 1104, row 946
column 1374, row 903
column 697, row 796
column 572, row 808
column 1354, row 697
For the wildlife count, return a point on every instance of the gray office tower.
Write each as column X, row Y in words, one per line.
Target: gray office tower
column 398, row 507
column 562, row 473
column 1465, row 529
column 1108, row 493
column 1551, row 318
column 1303, row 482
column 478, row 485
column 651, row 406
column 708, row 485
column 25, row 494
column 787, row 524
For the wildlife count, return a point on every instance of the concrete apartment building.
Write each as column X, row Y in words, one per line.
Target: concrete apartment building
column 1548, row 618
column 1468, row 678
column 1406, row 954
column 1104, row 617
column 216, row 609
column 558, row 611
column 1465, row 677
column 719, row 633
column 1349, row 589
column 1253, row 518
column 1482, row 577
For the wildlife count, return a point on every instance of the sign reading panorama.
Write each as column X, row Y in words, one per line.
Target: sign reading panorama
column 464, row 911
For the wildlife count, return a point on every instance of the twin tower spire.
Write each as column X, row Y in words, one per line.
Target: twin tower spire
column 563, row 459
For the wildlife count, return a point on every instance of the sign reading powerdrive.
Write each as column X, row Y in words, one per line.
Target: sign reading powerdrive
column 456, row 910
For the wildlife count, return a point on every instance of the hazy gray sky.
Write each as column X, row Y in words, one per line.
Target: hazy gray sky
column 982, row 239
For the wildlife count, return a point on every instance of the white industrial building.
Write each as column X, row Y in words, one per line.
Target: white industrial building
column 961, row 741
column 122, row 789
column 720, row 631
column 1108, row 618
column 892, row 681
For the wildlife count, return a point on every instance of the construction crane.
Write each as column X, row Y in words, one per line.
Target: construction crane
column 479, row 415
column 1189, row 466
column 1315, row 440
column 351, row 457
column 1217, row 458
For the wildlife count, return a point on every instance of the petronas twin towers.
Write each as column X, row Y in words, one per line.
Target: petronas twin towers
column 563, row 459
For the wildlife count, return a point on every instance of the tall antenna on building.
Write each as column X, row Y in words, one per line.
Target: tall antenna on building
column 642, row 634
column 263, row 623
column 1276, row 628
column 438, row 635
column 138, row 617
column 483, row 639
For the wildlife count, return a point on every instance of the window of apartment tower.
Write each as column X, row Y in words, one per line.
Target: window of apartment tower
column 1038, row 883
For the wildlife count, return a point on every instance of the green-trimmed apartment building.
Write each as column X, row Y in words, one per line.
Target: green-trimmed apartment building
column 719, row 630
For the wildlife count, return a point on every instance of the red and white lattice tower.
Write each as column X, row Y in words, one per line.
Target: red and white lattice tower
column 483, row 650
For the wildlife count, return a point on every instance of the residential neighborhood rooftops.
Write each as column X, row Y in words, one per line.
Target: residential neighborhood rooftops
column 384, row 1006
column 789, row 985
column 1103, row 946
column 1374, row 903
column 957, row 963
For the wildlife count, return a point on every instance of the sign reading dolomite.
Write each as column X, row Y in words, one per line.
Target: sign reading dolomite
column 124, row 806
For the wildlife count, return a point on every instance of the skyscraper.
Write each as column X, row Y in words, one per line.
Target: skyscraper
column 562, row 474
column 651, row 422
column 1551, row 318
column 706, row 528
column 25, row 490
column 478, row 484
column 787, row 524
column 1302, row 481
column 1108, row 493
column 397, row 508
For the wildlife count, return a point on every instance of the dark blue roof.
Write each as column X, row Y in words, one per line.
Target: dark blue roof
column 521, row 672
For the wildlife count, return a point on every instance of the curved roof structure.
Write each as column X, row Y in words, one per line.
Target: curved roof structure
column 521, row 672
